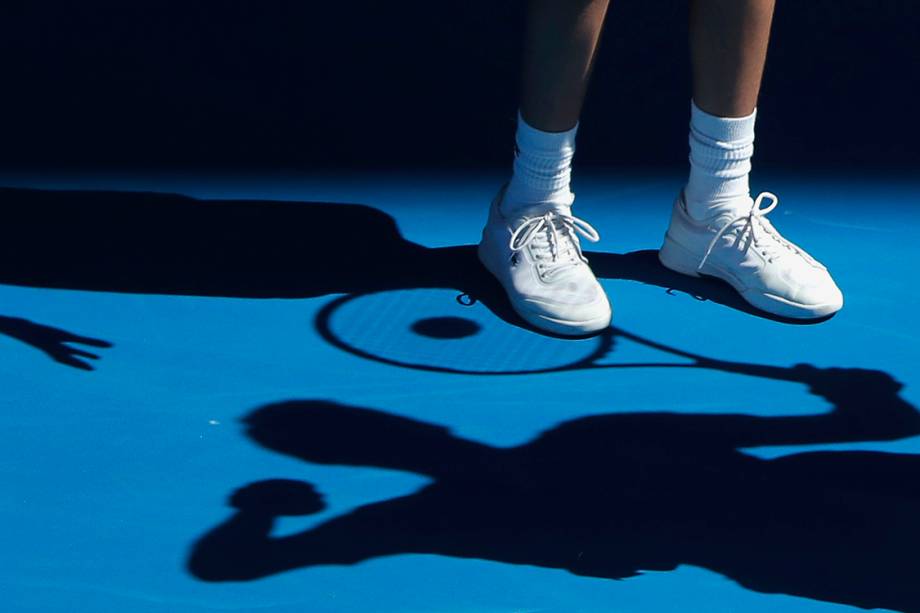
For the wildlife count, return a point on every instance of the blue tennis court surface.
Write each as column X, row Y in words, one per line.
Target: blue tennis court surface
column 310, row 398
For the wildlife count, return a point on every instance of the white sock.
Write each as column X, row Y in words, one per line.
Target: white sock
column 542, row 168
column 720, row 162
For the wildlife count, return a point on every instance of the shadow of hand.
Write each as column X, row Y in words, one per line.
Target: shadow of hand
column 54, row 342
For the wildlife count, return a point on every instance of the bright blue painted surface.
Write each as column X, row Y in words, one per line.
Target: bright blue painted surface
column 110, row 476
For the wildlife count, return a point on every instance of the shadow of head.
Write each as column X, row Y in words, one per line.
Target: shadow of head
column 330, row 433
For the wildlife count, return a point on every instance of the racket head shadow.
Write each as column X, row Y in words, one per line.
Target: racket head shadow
column 437, row 330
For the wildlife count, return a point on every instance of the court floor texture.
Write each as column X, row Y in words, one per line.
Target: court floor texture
column 302, row 393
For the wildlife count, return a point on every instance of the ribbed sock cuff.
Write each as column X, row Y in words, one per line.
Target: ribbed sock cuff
column 529, row 138
column 542, row 166
column 722, row 129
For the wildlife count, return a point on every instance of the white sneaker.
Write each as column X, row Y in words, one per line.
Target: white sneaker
column 746, row 250
column 536, row 256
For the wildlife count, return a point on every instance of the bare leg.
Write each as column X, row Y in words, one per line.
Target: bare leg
column 728, row 45
column 560, row 44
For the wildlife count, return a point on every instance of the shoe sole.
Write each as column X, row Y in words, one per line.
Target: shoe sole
column 562, row 327
column 674, row 256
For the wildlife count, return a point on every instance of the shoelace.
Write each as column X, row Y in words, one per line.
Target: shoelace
column 558, row 230
column 765, row 239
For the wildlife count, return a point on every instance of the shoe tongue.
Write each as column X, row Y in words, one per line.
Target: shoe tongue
column 521, row 210
column 539, row 210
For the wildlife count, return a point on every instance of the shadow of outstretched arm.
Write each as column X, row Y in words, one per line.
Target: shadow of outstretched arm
column 866, row 404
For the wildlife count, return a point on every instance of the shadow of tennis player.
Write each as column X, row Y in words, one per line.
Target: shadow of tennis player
column 612, row 495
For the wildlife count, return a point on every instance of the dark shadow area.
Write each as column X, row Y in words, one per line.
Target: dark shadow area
column 612, row 495
column 154, row 243
column 53, row 342
column 604, row 496
column 292, row 84
column 445, row 327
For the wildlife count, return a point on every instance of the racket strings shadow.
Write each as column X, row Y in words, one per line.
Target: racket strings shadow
column 609, row 496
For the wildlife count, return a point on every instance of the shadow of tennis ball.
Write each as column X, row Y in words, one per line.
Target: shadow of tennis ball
column 446, row 327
